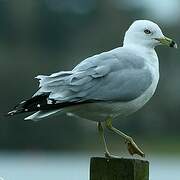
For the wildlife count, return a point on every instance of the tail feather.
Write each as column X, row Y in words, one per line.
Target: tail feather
column 41, row 114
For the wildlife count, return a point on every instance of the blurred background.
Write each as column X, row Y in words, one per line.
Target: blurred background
column 46, row 36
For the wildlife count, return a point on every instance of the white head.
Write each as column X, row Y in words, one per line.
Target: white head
column 147, row 34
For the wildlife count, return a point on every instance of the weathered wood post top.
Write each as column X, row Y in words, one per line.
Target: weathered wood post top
column 118, row 169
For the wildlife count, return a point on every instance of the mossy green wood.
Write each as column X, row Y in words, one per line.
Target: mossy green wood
column 118, row 169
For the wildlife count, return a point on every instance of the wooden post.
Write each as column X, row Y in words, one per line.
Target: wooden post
column 118, row 169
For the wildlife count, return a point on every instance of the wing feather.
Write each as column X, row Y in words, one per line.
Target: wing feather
column 111, row 76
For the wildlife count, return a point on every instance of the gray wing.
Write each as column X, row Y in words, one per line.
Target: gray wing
column 117, row 75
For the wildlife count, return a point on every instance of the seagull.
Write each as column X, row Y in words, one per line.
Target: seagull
column 106, row 86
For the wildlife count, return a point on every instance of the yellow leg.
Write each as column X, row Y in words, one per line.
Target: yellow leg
column 132, row 147
column 101, row 133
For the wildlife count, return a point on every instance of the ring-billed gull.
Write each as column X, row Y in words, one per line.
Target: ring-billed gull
column 105, row 86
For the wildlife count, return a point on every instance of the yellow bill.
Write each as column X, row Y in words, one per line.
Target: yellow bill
column 167, row 42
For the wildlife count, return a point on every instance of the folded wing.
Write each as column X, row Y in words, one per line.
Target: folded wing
column 111, row 76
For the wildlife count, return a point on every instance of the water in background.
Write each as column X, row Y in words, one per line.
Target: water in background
column 68, row 166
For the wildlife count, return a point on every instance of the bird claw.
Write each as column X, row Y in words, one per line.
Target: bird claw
column 109, row 156
column 134, row 149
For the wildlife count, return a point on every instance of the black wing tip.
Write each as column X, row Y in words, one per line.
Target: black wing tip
column 7, row 114
column 29, row 105
column 10, row 113
column 17, row 109
column 13, row 112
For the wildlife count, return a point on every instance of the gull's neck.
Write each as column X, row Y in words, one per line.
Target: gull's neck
column 147, row 52
column 144, row 49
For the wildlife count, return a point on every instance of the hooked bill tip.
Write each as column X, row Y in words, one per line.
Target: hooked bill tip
column 173, row 44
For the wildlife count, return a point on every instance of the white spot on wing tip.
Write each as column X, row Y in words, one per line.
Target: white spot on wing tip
column 49, row 101
column 22, row 102
column 11, row 113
